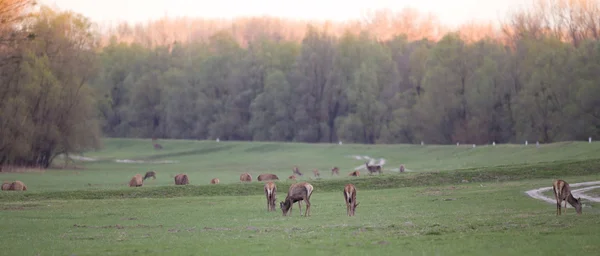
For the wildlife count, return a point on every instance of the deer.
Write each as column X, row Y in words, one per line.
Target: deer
column 157, row 146
column 295, row 170
column 401, row 168
column 150, row 174
column 297, row 193
column 292, row 177
column 562, row 192
column 214, row 181
column 267, row 176
column 335, row 170
column 373, row 168
column 246, row 177
column 354, row 173
column 181, row 179
column 270, row 193
column 136, row 181
column 350, row 198
column 316, row 173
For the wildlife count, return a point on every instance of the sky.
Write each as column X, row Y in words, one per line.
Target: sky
column 450, row 12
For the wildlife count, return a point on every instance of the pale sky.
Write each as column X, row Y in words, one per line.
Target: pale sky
column 450, row 12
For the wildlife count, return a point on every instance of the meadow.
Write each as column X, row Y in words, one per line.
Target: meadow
column 452, row 201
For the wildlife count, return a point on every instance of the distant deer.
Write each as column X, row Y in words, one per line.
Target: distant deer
column 562, row 192
column 401, row 168
column 182, row 179
column 296, row 171
column 316, row 173
column 373, row 168
column 150, row 174
column 214, row 181
column 296, row 193
column 335, row 170
column 267, row 176
column 354, row 173
column 270, row 193
column 292, row 177
column 350, row 198
column 157, row 146
column 136, row 181
column 246, row 177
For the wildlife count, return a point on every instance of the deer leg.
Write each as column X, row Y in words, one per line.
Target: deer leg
column 300, row 205
column 307, row 212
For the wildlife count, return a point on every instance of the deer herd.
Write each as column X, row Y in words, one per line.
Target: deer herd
column 301, row 192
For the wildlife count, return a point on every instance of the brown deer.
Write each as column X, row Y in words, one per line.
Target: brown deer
column 246, row 177
column 136, row 181
column 316, row 173
column 292, row 177
column 295, row 170
column 335, row 170
column 296, row 193
column 373, row 168
column 562, row 192
column 401, row 168
column 354, row 173
column 267, row 177
column 214, row 181
column 6, row 185
column 150, row 174
column 350, row 198
column 181, row 179
column 270, row 192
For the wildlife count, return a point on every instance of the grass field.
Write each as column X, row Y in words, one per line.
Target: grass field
column 455, row 201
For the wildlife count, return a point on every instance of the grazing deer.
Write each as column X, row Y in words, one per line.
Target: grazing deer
column 136, row 181
column 181, row 179
column 562, row 192
column 214, row 181
column 267, row 176
column 350, row 198
column 150, row 174
column 246, row 177
column 316, row 173
column 270, row 192
column 157, row 146
column 297, row 192
column 292, row 177
column 335, row 170
column 354, row 173
column 295, row 170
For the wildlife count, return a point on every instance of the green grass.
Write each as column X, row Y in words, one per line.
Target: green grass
column 204, row 160
column 466, row 219
column 455, row 201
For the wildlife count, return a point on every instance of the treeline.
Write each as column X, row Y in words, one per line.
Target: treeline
column 376, row 82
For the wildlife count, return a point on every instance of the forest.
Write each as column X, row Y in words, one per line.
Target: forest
column 393, row 77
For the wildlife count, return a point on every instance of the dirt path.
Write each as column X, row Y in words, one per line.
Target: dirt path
column 538, row 193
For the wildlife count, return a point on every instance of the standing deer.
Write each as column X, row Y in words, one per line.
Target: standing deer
column 373, row 168
column 316, row 173
column 150, row 174
column 270, row 192
column 401, row 168
column 335, row 170
column 350, row 198
column 562, row 192
column 295, row 170
column 297, row 192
